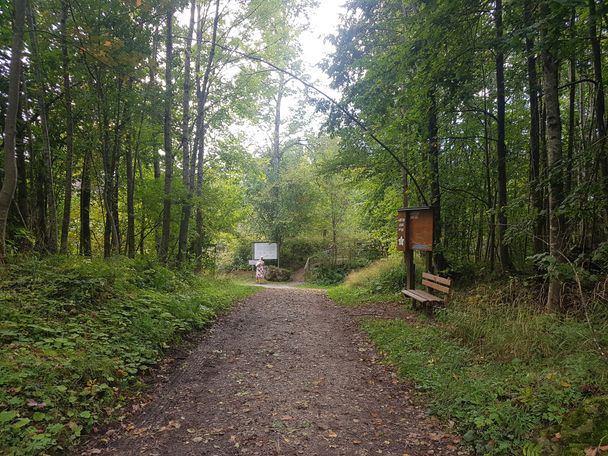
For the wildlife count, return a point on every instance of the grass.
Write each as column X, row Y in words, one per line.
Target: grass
column 345, row 295
column 381, row 281
column 509, row 375
column 77, row 334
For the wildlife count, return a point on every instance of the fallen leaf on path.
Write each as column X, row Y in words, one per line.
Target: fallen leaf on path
column 171, row 425
column 197, row 439
column 331, row 434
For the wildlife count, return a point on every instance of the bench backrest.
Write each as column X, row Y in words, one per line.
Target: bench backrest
column 436, row 283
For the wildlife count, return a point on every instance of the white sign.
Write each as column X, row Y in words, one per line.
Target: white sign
column 252, row 262
column 267, row 250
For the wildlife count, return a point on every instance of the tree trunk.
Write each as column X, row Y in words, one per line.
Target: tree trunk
column 9, row 182
column 69, row 121
column 554, row 158
column 202, row 107
column 52, row 244
column 491, row 241
column 130, row 247
column 505, row 258
column 85, row 206
column 439, row 259
column 185, row 142
column 600, row 106
column 22, row 190
column 536, row 197
column 166, row 232
column 571, row 107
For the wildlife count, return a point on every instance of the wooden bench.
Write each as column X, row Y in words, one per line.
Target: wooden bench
column 427, row 299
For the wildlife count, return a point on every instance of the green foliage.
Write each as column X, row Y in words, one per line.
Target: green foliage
column 295, row 251
column 76, row 334
column 584, row 427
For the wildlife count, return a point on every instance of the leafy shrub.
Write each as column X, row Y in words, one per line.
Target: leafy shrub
column 275, row 274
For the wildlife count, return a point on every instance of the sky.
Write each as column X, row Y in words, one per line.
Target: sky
column 323, row 21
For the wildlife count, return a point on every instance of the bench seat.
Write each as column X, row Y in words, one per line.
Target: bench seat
column 421, row 296
column 426, row 299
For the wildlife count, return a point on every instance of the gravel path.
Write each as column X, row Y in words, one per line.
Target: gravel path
column 286, row 373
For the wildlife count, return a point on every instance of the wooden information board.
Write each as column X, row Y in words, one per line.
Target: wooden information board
column 415, row 229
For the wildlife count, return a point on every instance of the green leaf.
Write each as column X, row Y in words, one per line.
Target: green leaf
column 21, row 422
column 7, row 416
column 86, row 414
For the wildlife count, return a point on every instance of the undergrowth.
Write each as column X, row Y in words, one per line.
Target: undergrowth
column 381, row 281
column 77, row 334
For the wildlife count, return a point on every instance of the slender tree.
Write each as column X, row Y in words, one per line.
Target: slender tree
column 9, row 182
column 52, row 244
column 501, row 150
column 166, row 232
column 551, row 65
column 69, row 128
column 185, row 140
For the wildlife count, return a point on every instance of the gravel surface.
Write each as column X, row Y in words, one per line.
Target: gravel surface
column 287, row 372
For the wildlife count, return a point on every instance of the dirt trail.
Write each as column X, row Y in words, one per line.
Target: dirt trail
column 286, row 373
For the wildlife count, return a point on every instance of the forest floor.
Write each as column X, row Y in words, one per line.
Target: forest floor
column 287, row 372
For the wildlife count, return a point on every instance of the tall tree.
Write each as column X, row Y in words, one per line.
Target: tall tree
column 501, row 150
column 185, row 139
column 51, row 244
column 551, row 63
column 168, row 149
column 203, row 96
column 9, row 182
column 69, row 128
column 536, row 197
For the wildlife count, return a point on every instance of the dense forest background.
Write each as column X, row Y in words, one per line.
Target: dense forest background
column 147, row 143
column 164, row 129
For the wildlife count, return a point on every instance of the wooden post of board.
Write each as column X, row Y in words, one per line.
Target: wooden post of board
column 411, row 269
column 402, row 245
column 415, row 232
